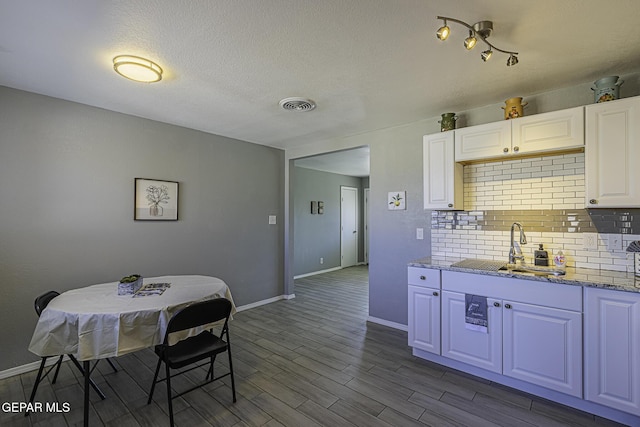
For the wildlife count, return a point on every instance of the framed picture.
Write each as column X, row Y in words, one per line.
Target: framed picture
column 320, row 207
column 314, row 207
column 155, row 200
column 397, row 200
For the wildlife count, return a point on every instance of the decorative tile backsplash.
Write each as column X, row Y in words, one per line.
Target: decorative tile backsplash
column 547, row 196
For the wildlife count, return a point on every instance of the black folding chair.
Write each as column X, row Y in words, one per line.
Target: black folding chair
column 205, row 345
column 40, row 304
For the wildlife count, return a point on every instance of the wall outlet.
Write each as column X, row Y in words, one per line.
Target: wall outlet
column 272, row 219
column 321, row 260
column 420, row 233
column 614, row 242
column 590, row 241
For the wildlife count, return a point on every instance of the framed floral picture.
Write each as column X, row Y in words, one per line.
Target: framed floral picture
column 396, row 200
column 155, row 200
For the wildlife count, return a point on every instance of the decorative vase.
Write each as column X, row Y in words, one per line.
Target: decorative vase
column 448, row 122
column 513, row 108
column 607, row 89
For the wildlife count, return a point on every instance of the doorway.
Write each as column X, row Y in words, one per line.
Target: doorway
column 349, row 233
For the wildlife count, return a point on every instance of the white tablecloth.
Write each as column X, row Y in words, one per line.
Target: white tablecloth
column 95, row 322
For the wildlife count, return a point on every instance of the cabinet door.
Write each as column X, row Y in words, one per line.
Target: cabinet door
column 442, row 176
column 543, row 346
column 484, row 141
column 424, row 318
column 473, row 347
column 554, row 131
column 612, row 349
column 612, row 154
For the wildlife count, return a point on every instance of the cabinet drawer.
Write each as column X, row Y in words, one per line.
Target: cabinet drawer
column 424, row 277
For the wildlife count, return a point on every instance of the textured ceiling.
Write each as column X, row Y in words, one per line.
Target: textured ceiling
column 369, row 64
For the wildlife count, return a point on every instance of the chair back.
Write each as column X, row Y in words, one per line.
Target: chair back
column 199, row 314
column 43, row 301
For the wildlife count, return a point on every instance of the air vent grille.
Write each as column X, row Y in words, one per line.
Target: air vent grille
column 297, row 104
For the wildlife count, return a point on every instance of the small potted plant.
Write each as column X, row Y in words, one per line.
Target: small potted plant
column 129, row 285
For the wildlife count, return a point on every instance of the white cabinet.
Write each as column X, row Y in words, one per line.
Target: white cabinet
column 443, row 188
column 483, row 141
column 556, row 131
column 612, row 349
column 534, row 332
column 475, row 348
column 612, row 154
column 543, row 346
column 424, row 309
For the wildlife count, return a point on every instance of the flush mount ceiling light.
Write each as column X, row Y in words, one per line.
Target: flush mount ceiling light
column 480, row 30
column 297, row 104
column 137, row 68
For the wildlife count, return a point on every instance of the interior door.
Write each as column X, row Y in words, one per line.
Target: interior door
column 348, row 226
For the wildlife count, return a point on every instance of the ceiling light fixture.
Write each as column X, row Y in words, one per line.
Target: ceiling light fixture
column 137, row 68
column 480, row 30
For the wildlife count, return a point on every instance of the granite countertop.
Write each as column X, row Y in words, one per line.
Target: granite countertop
column 606, row 279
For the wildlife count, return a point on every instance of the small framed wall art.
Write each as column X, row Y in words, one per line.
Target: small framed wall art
column 320, row 207
column 155, row 200
column 396, row 200
column 314, row 207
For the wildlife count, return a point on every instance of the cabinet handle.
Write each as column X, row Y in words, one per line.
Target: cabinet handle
column 435, row 293
column 505, row 150
column 507, row 306
column 496, row 304
column 593, row 201
column 423, row 278
column 516, row 149
column 450, row 205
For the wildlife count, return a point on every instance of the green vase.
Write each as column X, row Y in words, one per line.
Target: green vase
column 448, row 122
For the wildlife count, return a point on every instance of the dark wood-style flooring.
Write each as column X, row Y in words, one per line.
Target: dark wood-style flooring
column 313, row 360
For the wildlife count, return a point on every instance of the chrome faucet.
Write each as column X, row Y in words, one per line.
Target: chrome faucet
column 514, row 251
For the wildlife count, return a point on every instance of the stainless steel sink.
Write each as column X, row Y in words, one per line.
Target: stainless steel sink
column 531, row 269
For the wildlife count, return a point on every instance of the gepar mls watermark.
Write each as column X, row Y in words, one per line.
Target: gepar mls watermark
column 38, row 407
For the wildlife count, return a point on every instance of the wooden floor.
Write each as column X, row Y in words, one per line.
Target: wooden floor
column 312, row 360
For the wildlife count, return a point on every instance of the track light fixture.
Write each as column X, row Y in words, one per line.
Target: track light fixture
column 480, row 30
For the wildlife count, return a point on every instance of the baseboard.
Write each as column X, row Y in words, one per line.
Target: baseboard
column 313, row 273
column 264, row 302
column 383, row 322
column 17, row 370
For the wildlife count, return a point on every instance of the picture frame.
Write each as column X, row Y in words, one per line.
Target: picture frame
column 155, row 200
column 320, row 207
column 396, row 200
column 314, row 207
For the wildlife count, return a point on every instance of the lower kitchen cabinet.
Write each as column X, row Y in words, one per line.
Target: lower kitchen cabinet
column 612, row 348
column 483, row 350
column 424, row 318
column 534, row 331
column 424, row 309
column 543, row 346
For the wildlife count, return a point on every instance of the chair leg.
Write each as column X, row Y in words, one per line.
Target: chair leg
column 58, row 363
column 91, row 382
column 169, row 399
column 35, row 384
column 233, row 382
column 153, row 384
column 112, row 365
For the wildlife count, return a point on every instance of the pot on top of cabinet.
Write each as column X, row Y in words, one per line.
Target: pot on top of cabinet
column 607, row 89
column 448, row 122
column 514, row 108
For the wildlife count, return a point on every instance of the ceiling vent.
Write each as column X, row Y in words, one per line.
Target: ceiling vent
column 297, row 104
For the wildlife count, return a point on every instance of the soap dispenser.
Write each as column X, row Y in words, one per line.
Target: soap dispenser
column 541, row 257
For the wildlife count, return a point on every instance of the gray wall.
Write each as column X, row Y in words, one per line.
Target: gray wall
column 66, row 189
column 317, row 236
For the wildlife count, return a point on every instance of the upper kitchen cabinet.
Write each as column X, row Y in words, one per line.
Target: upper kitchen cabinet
column 556, row 131
column 443, row 188
column 483, row 141
column 612, row 154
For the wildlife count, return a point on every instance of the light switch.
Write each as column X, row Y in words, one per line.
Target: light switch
column 272, row 219
column 420, row 233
